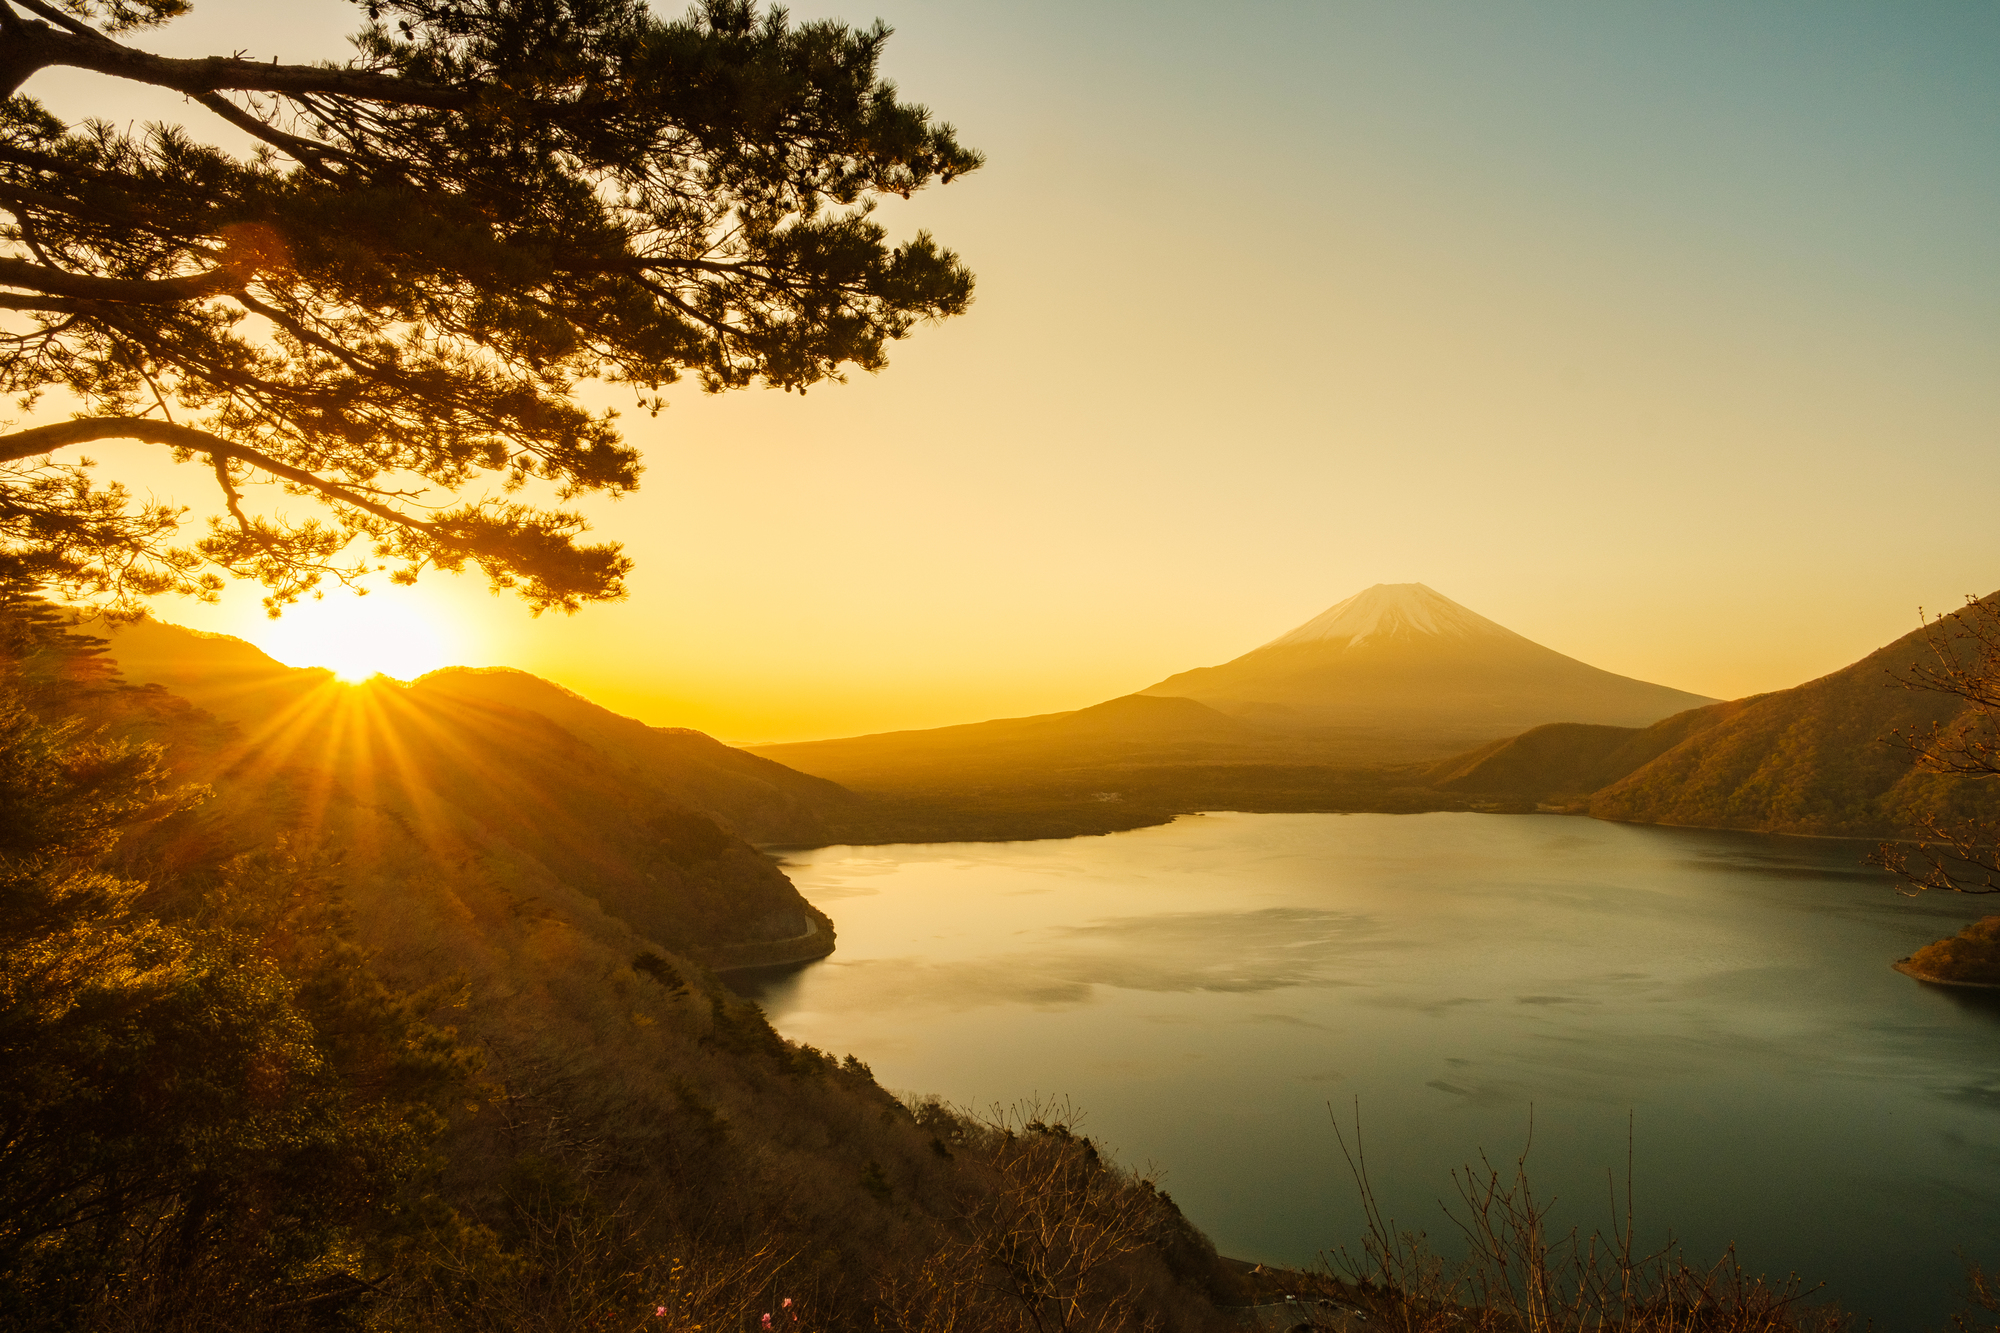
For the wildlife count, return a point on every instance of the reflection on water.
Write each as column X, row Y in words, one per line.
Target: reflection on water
column 1206, row 989
column 1773, row 868
column 1983, row 1002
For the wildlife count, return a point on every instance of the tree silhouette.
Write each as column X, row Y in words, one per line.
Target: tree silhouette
column 398, row 294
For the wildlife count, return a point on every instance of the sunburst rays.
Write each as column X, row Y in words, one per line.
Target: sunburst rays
column 394, row 632
column 415, row 788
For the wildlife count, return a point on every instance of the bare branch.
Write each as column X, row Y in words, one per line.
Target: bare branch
column 57, row 17
column 313, row 155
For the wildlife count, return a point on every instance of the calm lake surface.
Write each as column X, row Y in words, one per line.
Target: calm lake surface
column 1203, row 991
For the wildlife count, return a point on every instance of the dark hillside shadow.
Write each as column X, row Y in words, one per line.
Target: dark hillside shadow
column 1857, row 874
column 767, row 986
column 1984, row 1004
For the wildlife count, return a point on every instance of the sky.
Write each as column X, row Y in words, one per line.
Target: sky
column 1667, row 336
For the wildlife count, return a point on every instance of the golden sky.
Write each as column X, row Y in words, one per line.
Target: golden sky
column 1663, row 336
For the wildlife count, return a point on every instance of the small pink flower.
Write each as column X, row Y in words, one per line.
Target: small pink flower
column 767, row 1321
column 659, row 1312
column 785, row 1304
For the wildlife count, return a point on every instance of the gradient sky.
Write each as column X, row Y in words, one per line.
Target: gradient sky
column 1667, row 336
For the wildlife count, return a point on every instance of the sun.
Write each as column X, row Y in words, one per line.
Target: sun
column 389, row 633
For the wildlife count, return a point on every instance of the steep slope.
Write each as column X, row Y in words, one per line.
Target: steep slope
column 419, row 795
column 754, row 798
column 1400, row 662
column 1815, row 759
column 444, row 787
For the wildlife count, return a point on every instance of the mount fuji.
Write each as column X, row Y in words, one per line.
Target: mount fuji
column 1401, row 660
column 1347, row 712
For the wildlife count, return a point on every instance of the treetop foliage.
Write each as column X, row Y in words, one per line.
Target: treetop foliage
column 435, row 244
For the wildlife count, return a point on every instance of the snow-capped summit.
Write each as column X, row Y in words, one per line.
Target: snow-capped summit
column 1392, row 610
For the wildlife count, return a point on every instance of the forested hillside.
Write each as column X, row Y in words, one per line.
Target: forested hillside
column 1562, row 763
column 1823, row 758
column 391, row 1014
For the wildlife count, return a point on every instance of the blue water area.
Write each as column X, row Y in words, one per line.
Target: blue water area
column 1204, row 992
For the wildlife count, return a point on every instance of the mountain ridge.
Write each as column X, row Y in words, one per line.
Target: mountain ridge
column 752, row 797
column 1816, row 760
column 1805, row 760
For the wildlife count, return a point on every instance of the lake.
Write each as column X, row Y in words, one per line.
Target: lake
column 1203, row 991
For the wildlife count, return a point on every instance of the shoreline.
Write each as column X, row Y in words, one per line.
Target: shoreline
column 1903, row 965
column 817, row 942
column 777, row 850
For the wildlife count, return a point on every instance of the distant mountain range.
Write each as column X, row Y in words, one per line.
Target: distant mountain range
column 1330, row 716
column 1134, row 728
column 1394, row 675
column 1346, row 712
column 1408, row 667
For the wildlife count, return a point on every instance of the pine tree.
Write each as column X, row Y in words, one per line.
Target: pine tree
column 213, row 1111
column 391, row 304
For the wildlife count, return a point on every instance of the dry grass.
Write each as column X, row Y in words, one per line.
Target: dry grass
column 1520, row 1276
